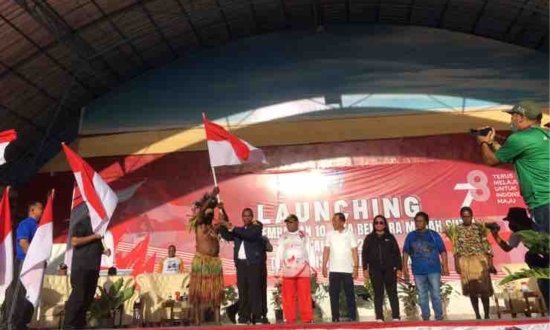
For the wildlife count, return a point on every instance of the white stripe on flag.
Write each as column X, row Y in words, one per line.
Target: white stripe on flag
column 6, row 262
column 34, row 265
column 107, row 197
column 222, row 153
column 3, row 146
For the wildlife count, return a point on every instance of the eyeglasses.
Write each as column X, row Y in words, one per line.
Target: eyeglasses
column 379, row 223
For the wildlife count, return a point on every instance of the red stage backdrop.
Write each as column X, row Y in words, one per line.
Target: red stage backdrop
column 156, row 214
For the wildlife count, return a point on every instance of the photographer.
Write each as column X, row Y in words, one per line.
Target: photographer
column 528, row 148
column 518, row 220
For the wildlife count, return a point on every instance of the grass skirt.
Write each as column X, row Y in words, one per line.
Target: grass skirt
column 474, row 276
column 206, row 284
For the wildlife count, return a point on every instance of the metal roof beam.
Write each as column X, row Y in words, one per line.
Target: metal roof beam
column 46, row 16
column 157, row 28
column 479, row 15
column 115, row 27
column 224, row 19
column 190, row 22
column 42, row 51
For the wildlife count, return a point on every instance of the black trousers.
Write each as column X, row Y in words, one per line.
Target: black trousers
column 17, row 311
column 249, row 283
column 264, row 289
column 335, row 282
column 380, row 279
column 84, row 284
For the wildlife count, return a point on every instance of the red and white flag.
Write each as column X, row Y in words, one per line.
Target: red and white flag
column 100, row 199
column 225, row 148
column 5, row 138
column 6, row 241
column 40, row 249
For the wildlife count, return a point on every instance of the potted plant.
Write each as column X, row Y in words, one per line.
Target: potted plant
column 277, row 302
column 230, row 298
column 318, row 293
column 446, row 291
column 409, row 297
column 105, row 306
column 538, row 244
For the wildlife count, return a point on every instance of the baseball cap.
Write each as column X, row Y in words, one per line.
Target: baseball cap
column 516, row 213
column 527, row 108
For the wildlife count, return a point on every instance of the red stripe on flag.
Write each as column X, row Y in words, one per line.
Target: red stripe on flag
column 8, row 136
column 5, row 215
column 47, row 215
column 78, row 165
column 215, row 132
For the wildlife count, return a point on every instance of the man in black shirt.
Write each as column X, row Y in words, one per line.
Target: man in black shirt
column 87, row 251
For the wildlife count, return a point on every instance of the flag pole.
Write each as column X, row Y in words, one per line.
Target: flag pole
column 214, row 176
column 211, row 167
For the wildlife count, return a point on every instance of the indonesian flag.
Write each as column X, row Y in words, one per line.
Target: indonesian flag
column 40, row 249
column 100, row 199
column 225, row 148
column 79, row 212
column 5, row 138
column 6, row 241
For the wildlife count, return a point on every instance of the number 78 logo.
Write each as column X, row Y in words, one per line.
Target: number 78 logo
column 476, row 188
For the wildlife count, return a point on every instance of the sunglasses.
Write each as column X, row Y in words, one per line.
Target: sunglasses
column 379, row 223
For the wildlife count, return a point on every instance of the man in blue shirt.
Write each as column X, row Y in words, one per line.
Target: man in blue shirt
column 25, row 232
column 425, row 247
column 17, row 310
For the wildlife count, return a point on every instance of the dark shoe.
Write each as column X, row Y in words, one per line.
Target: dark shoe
column 264, row 320
column 487, row 317
column 231, row 314
column 244, row 320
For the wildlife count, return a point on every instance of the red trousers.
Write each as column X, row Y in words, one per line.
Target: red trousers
column 297, row 287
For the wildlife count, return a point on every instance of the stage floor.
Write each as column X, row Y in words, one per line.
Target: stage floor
column 507, row 324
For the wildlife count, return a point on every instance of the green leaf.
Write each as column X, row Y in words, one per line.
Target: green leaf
column 538, row 273
column 115, row 287
column 536, row 242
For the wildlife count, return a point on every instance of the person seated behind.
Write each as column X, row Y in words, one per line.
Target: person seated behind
column 62, row 269
column 170, row 264
column 112, row 271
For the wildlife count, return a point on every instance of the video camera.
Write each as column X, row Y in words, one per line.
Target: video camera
column 480, row 132
column 492, row 226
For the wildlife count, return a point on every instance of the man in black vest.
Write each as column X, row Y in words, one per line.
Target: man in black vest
column 249, row 260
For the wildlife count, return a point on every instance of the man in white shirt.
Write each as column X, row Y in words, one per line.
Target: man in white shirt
column 341, row 253
column 171, row 264
column 293, row 263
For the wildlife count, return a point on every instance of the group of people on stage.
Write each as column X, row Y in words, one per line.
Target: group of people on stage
column 384, row 263
column 528, row 148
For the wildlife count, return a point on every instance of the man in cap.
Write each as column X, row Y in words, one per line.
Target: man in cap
column 294, row 262
column 518, row 220
column 528, row 148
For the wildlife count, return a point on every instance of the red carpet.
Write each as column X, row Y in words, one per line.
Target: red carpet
column 511, row 324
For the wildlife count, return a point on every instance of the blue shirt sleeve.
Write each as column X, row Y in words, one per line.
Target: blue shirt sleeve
column 407, row 244
column 439, row 243
column 23, row 230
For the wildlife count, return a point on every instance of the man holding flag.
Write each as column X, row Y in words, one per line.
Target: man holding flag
column 25, row 233
column 34, row 243
column 206, row 283
column 34, row 265
column 87, row 251
column 85, row 238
